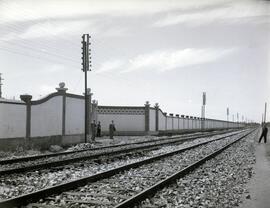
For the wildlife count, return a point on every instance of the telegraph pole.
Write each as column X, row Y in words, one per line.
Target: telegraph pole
column 265, row 106
column 1, row 85
column 85, row 64
column 203, row 110
column 228, row 113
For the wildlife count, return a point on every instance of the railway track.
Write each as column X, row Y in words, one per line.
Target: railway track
column 42, row 156
column 18, row 184
column 20, row 165
column 96, row 180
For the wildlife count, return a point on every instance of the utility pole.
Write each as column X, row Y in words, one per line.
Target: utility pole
column 228, row 113
column 203, row 110
column 265, row 106
column 85, row 63
column 1, row 85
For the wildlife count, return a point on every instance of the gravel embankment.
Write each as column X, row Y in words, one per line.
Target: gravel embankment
column 219, row 183
column 80, row 154
column 121, row 186
column 18, row 184
column 100, row 142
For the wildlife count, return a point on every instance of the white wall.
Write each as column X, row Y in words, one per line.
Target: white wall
column 46, row 118
column 181, row 123
column 162, row 121
column 152, row 126
column 74, row 116
column 169, row 123
column 175, row 123
column 12, row 120
column 122, row 122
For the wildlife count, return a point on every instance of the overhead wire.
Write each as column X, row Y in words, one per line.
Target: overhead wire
column 15, row 28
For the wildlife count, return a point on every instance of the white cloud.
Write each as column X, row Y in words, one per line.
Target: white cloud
column 51, row 29
column 166, row 60
column 110, row 66
column 234, row 12
column 26, row 10
column 54, row 29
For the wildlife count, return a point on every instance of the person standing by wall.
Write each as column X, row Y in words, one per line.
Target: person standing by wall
column 112, row 129
column 264, row 134
column 93, row 130
column 99, row 129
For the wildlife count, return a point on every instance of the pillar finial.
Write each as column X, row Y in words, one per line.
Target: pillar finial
column 61, row 88
column 26, row 98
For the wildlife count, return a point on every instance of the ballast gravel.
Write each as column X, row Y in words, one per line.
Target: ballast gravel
column 18, row 184
column 111, row 191
column 88, row 152
column 219, row 183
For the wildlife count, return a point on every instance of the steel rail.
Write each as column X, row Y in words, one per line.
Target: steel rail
column 135, row 200
column 57, row 189
column 62, row 162
column 27, row 158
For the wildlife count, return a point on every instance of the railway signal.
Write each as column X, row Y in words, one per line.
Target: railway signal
column 86, row 66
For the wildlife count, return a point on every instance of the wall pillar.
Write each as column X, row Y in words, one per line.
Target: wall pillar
column 62, row 90
column 88, row 110
column 178, row 119
column 171, row 115
column 187, row 118
column 94, row 114
column 192, row 121
column 183, row 118
column 147, row 117
column 90, row 104
column 166, row 120
column 27, row 99
column 157, row 116
column 94, row 110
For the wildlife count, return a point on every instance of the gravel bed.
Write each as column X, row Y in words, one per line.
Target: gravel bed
column 77, row 155
column 111, row 191
column 100, row 142
column 219, row 183
column 18, row 153
column 18, row 184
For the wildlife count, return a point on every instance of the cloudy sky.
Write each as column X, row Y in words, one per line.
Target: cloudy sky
column 165, row 51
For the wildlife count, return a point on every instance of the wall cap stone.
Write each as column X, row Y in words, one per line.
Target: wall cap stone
column 26, row 98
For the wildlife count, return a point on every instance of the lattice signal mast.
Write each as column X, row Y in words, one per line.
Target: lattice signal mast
column 86, row 66
column 1, row 85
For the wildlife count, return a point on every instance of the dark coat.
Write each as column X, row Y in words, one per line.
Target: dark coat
column 265, row 130
column 112, row 128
